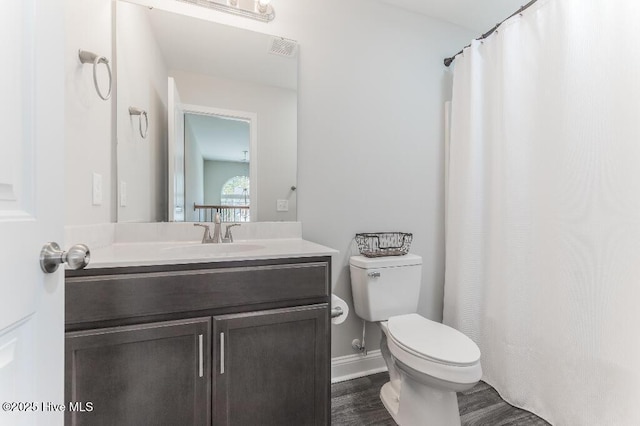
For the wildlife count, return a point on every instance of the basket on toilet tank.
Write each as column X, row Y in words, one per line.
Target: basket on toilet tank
column 383, row 287
column 378, row 244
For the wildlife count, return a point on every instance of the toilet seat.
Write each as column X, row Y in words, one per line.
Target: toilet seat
column 409, row 343
column 432, row 341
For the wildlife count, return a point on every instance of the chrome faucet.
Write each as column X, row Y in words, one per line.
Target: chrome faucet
column 207, row 238
column 217, row 238
column 228, row 237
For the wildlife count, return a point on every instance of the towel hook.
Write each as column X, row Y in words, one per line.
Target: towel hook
column 140, row 112
column 92, row 58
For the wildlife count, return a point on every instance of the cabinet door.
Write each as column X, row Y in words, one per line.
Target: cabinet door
column 272, row 367
column 151, row 374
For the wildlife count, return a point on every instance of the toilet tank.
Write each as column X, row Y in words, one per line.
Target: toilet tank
column 383, row 287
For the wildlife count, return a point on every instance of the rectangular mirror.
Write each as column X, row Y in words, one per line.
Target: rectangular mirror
column 206, row 119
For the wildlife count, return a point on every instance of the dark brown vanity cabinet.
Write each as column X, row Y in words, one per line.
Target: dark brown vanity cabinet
column 226, row 343
column 124, row 373
column 271, row 367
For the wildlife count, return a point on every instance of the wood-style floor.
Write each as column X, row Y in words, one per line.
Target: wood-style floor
column 357, row 402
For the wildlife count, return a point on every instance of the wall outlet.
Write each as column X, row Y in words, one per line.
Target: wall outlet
column 97, row 189
column 282, row 205
column 123, row 194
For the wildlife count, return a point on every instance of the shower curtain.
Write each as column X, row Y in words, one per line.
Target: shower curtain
column 543, row 209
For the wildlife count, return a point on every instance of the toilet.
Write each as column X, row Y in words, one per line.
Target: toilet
column 428, row 362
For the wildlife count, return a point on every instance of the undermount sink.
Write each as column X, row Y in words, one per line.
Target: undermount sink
column 205, row 249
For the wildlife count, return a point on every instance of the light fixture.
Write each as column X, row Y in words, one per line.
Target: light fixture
column 260, row 10
column 263, row 5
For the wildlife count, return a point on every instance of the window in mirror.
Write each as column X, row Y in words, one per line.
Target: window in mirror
column 234, row 196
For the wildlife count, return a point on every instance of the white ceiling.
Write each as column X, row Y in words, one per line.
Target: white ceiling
column 219, row 138
column 210, row 48
column 476, row 15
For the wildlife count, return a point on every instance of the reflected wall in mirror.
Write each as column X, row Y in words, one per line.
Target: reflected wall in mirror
column 184, row 71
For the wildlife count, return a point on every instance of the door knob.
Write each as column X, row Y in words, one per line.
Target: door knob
column 51, row 256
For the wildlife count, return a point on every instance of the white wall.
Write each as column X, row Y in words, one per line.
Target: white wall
column 217, row 173
column 277, row 132
column 370, row 141
column 142, row 83
column 88, row 119
column 193, row 176
column 371, row 91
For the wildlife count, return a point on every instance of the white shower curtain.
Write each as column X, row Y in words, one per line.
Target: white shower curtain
column 543, row 213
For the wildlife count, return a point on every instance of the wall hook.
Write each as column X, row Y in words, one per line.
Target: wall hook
column 92, row 58
column 140, row 112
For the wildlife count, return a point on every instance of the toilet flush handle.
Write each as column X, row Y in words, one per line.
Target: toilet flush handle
column 374, row 274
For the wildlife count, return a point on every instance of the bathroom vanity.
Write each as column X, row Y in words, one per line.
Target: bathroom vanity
column 222, row 340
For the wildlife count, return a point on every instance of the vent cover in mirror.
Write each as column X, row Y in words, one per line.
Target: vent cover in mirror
column 283, row 47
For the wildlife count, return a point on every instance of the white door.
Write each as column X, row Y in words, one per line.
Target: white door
column 31, row 210
column 177, row 208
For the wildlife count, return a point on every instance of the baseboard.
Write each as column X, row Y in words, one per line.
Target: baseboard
column 353, row 366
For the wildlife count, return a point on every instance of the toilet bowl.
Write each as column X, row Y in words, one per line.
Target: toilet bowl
column 428, row 362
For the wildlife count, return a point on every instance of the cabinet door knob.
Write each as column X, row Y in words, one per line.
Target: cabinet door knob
column 52, row 256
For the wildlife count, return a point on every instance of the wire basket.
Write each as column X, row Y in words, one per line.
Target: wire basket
column 380, row 244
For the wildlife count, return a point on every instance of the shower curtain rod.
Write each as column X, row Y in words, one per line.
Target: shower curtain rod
column 448, row 61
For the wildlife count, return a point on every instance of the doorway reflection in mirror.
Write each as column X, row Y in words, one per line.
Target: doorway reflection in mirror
column 217, row 161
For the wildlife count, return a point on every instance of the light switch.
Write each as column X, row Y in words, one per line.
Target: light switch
column 282, row 206
column 97, row 189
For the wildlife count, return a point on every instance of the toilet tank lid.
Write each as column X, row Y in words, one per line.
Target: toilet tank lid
column 386, row 261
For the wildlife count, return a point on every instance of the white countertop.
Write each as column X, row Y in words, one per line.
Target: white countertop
column 181, row 252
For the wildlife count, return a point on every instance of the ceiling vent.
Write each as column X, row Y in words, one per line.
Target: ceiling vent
column 283, row 47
